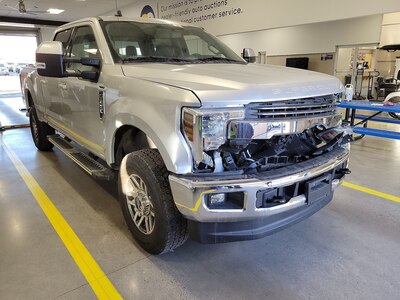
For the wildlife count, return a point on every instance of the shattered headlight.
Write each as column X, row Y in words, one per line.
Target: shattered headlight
column 206, row 129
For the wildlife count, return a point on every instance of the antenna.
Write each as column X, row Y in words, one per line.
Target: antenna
column 118, row 12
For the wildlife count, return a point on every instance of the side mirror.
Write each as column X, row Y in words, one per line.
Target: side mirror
column 49, row 59
column 50, row 62
column 249, row 55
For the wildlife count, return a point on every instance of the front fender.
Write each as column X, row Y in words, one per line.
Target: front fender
column 174, row 150
column 30, row 84
column 156, row 111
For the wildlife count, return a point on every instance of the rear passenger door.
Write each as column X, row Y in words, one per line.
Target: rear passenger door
column 81, row 97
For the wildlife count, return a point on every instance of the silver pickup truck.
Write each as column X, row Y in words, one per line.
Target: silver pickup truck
column 204, row 144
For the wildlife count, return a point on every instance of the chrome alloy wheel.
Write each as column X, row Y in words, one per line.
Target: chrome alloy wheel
column 139, row 204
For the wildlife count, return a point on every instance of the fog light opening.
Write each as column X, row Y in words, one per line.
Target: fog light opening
column 234, row 200
column 217, row 199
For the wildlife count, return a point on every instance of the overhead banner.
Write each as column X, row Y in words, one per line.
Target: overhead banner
column 209, row 14
column 233, row 16
column 198, row 11
column 214, row 15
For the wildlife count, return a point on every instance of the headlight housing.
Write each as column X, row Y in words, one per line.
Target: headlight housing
column 206, row 129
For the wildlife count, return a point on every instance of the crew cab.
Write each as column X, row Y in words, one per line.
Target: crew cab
column 204, row 144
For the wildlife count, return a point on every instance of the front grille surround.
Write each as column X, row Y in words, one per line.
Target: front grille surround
column 293, row 108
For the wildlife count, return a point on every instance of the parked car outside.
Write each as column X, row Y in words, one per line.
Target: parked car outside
column 3, row 70
column 10, row 66
column 19, row 67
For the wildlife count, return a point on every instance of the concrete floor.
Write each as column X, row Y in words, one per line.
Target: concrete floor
column 348, row 250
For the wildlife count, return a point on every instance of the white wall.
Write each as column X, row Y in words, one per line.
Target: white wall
column 311, row 38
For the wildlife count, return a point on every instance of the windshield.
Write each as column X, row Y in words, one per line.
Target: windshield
column 149, row 42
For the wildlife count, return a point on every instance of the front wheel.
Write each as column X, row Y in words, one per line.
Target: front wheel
column 40, row 131
column 147, row 204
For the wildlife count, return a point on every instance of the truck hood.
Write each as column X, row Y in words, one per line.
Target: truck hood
column 220, row 84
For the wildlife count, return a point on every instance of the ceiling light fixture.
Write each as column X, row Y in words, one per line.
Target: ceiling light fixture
column 17, row 25
column 55, row 11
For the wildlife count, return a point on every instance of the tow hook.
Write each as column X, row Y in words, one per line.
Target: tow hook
column 344, row 171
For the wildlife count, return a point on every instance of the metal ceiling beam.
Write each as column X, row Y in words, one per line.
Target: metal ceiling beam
column 31, row 21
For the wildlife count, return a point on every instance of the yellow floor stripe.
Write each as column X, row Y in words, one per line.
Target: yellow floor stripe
column 371, row 191
column 101, row 285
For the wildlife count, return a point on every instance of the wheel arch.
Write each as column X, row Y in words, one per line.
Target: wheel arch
column 129, row 136
column 170, row 143
column 28, row 98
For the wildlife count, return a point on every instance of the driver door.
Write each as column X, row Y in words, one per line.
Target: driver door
column 82, row 98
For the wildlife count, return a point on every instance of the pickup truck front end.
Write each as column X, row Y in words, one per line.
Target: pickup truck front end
column 261, row 167
column 203, row 143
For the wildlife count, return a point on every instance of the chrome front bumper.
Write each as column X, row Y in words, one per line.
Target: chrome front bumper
column 189, row 192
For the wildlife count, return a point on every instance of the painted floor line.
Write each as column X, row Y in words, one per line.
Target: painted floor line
column 97, row 279
column 371, row 191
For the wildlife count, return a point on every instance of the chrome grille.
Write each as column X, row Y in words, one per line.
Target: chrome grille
column 295, row 108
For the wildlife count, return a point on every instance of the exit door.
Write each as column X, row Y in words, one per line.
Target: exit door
column 16, row 52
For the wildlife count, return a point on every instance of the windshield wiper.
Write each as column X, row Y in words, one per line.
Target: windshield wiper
column 163, row 59
column 154, row 59
column 218, row 59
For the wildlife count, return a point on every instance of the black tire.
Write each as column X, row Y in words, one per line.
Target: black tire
column 40, row 131
column 164, row 227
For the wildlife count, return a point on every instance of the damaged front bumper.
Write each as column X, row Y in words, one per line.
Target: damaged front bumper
column 262, row 203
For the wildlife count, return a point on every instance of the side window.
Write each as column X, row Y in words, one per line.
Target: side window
column 83, row 45
column 63, row 37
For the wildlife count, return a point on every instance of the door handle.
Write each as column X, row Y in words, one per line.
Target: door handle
column 62, row 86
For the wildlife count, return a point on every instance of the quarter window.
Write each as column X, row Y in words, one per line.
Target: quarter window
column 63, row 37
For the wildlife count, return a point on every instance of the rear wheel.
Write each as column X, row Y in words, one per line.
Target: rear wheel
column 40, row 131
column 147, row 203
